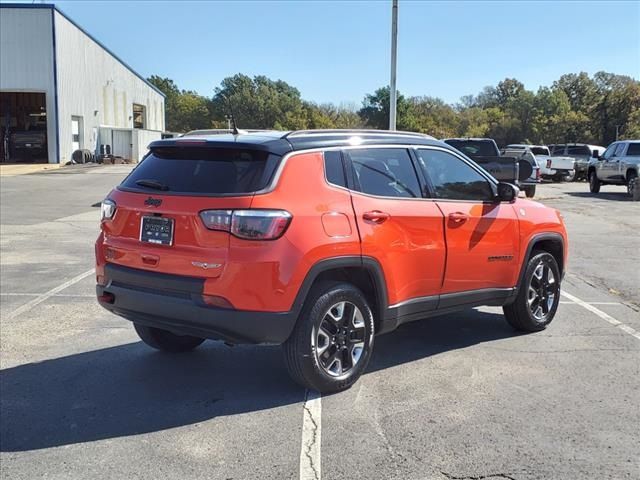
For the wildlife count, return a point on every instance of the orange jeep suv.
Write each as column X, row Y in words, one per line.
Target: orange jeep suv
column 319, row 240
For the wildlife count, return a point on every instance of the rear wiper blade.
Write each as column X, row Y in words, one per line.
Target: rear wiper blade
column 152, row 184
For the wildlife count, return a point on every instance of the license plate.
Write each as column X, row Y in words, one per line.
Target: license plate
column 27, row 144
column 158, row 230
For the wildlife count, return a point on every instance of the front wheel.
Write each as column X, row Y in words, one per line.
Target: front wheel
column 538, row 295
column 166, row 341
column 332, row 341
column 594, row 183
column 633, row 188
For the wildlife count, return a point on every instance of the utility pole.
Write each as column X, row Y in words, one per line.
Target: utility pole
column 393, row 101
column 617, row 131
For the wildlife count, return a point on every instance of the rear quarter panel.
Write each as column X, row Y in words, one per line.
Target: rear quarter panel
column 267, row 275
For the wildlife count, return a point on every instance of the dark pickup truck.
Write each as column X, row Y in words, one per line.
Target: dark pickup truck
column 485, row 152
column 28, row 146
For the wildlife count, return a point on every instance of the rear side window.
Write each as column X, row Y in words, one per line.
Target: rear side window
column 333, row 169
column 539, row 151
column 385, row 172
column 633, row 150
column 202, row 171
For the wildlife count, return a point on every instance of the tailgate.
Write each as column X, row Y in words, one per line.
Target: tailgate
column 194, row 249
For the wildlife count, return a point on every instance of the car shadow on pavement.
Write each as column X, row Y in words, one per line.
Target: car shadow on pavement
column 131, row 389
column 621, row 196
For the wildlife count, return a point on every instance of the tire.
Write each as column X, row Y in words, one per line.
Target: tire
column 533, row 316
column 594, row 183
column 319, row 342
column 529, row 190
column 572, row 176
column 166, row 341
column 77, row 156
column 633, row 188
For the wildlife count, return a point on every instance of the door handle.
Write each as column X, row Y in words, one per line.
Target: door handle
column 458, row 217
column 375, row 216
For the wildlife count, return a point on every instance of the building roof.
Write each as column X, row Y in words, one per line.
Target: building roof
column 281, row 142
column 51, row 6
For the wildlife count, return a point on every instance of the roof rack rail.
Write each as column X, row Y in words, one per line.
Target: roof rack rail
column 355, row 131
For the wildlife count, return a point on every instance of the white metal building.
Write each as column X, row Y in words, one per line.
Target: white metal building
column 60, row 85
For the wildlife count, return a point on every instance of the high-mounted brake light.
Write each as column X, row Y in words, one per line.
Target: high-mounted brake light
column 248, row 224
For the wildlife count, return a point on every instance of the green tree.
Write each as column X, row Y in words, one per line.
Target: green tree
column 375, row 111
column 260, row 102
column 184, row 110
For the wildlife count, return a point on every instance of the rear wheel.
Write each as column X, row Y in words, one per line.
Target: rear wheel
column 332, row 341
column 538, row 296
column 594, row 183
column 166, row 341
column 529, row 190
column 571, row 176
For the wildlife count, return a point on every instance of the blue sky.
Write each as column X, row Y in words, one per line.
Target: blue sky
column 339, row 51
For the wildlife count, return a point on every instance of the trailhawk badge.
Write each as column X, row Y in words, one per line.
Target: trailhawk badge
column 206, row 265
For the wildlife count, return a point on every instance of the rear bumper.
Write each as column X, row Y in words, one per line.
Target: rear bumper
column 172, row 302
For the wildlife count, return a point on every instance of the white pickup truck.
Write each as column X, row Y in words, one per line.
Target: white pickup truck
column 554, row 168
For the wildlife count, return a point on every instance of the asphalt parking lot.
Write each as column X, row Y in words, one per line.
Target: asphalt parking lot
column 457, row 397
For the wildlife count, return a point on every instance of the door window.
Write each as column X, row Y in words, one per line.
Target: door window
column 619, row 150
column 384, row 172
column 633, row 150
column 452, row 178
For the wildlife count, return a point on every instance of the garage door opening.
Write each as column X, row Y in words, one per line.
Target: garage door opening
column 23, row 127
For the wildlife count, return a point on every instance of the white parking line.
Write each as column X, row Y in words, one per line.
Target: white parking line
column 44, row 296
column 65, row 295
column 311, row 437
column 603, row 315
column 592, row 303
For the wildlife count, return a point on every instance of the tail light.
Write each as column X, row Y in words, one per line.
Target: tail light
column 107, row 209
column 248, row 224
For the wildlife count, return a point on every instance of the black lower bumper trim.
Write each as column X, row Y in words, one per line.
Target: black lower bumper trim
column 185, row 316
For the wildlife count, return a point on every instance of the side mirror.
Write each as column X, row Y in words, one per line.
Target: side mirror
column 595, row 155
column 507, row 192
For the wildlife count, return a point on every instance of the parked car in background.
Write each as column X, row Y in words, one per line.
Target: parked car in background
column 618, row 165
column 523, row 172
column 580, row 152
column 319, row 240
column 28, row 146
column 551, row 168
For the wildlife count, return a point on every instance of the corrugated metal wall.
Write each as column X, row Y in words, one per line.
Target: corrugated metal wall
column 96, row 86
column 26, row 60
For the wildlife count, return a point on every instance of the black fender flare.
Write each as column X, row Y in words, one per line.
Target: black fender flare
column 532, row 242
column 369, row 264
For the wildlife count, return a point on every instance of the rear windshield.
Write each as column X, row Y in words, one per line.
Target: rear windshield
column 539, row 151
column 579, row 150
column 202, row 171
column 633, row 150
column 478, row 148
